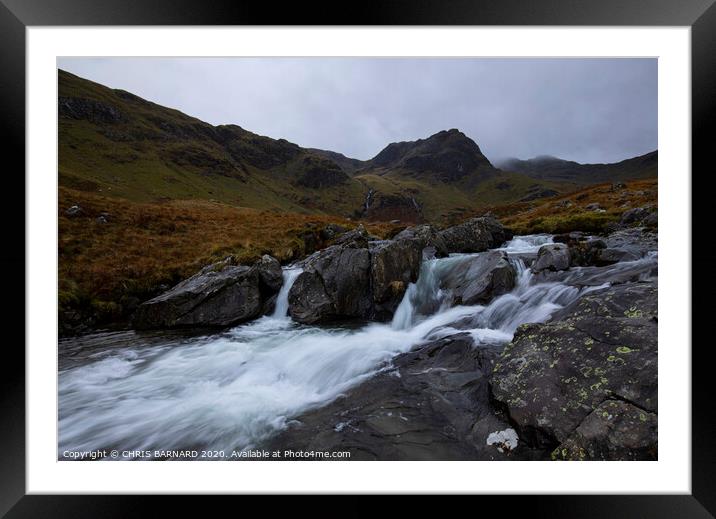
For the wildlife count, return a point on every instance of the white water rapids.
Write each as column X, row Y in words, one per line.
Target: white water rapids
column 233, row 390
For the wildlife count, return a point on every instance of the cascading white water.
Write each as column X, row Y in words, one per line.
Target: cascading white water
column 289, row 276
column 234, row 390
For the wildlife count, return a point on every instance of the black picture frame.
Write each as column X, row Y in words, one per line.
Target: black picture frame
column 17, row 15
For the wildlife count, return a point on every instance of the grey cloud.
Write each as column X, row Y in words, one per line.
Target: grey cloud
column 588, row 110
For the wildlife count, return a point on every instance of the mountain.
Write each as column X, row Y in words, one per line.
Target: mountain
column 114, row 143
column 546, row 167
column 448, row 156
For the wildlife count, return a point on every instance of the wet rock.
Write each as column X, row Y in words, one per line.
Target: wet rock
column 433, row 404
column 552, row 256
column 270, row 274
column 394, row 264
column 479, row 279
column 636, row 240
column 611, row 256
column 475, row 235
column 335, row 283
column 617, row 274
column 615, row 430
column 219, row 295
column 427, row 236
column 602, row 347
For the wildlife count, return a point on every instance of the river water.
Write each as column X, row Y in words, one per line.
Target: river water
column 233, row 390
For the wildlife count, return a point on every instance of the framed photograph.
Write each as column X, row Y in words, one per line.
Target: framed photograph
column 406, row 249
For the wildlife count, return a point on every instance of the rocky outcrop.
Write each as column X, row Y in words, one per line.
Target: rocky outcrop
column 388, row 206
column 433, row 403
column 446, row 156
column 334, row 284
column 552, row 256
column 354, row 278
column 479, row 279
column 556, row 380
column 427, row 237
column 89, row 109
column 475, row 235
column 394, row 264
column 216, row 296
column 221, row 294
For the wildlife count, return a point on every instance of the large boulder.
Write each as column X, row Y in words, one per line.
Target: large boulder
column 218, row 295
column 427, row 237
column 475, row 235
column 552, row 256
column 479, row 279
column 335, row 283
column 394, row 264
column 603, row 347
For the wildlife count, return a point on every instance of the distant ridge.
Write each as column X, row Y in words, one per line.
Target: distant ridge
column 546, row 167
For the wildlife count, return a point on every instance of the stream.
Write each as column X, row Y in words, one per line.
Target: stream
column 235, row 389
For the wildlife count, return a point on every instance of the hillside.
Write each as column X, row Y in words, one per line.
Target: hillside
column 116, row 144
column 555, row 169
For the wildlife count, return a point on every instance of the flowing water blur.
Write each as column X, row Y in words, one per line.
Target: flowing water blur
column 233, row 390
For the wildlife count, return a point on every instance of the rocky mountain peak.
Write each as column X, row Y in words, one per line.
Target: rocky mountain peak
column 448, row 155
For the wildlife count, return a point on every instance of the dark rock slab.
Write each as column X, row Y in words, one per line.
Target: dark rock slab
column 432, row 404
column 616, row 430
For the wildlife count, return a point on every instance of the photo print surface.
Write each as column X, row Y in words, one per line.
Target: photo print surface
column 357, row 259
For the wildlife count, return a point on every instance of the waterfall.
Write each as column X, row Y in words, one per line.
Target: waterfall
column 289, row 276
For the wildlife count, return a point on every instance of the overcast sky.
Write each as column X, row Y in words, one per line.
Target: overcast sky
column 588, row 110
